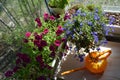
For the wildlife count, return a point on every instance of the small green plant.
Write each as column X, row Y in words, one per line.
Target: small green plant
column 58, row 3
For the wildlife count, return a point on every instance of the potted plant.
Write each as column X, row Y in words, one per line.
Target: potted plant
column 39, row 49
column 86, row 29
column 57, row 6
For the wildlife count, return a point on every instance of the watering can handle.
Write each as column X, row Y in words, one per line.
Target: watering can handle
column 104, row 55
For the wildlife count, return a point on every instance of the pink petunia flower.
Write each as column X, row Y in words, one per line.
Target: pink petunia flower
column 59, row 27
column 27, row 34
column 52, row 18
column 45, row 31
column 57, row 43
column 59, row 31
column 46, row 16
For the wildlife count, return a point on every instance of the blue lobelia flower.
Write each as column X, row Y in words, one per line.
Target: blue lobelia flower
column 68, row 32
column 76, row 49
column 95, row 36
column 112, row 28
column 107, row 31
column 96, row 10
column 81, row 24
column 78, row 11
column 104, row 42
column 89, row 23
column 96, row 16
column 111, row 20
column 83, row 14
column 98, row 49
column 81, row 57
column 80, row 32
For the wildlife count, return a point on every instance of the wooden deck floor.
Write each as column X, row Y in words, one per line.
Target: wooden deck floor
column 112, row 71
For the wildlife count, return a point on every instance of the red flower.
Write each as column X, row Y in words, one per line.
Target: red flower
column 27, row 34
column 52, row 18
column 63, row 39
column 57, row 42
column 36, row 42
column 15, row 69
column 59, row 27
column 59, row 31
column 52, row 48
column 52, row 54
column 46, row 16
column 38, row 37
column 43, row 43
column 45, row 31
column 24, row 57
column 18, row 61
column 25, row 41
column 38, row 22
column 39, row 58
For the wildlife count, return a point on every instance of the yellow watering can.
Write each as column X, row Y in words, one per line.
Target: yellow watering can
column 95, row 62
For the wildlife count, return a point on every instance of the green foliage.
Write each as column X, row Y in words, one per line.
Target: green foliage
column 37, row 50
column 87, row 28
column 58, row 3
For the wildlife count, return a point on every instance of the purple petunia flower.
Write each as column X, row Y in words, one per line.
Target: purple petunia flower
column 39, row 58
column 38, row 22
column 43, row 43
column 52, row 54
column 24, row 57
column 67, row 16
column 15, row 69
column 38, row 37
column 52, row 48
column 41, row 78
column 18, row 61
column 9, row 73
column 25, row 40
